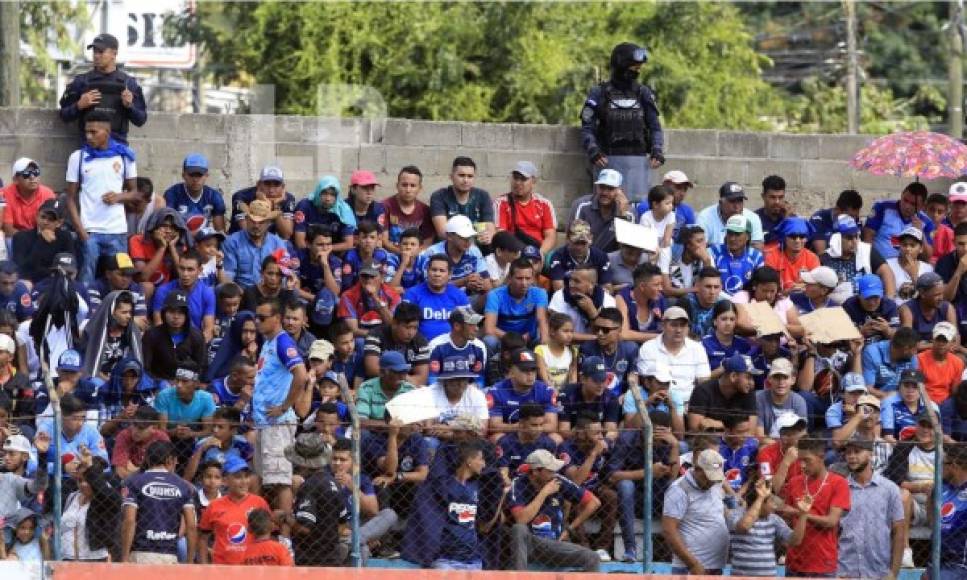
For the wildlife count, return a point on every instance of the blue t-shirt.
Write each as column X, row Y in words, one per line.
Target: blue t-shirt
column 572, row 456
column 19, row 302
column 458, row 539
column 881, row 372
column 953, row 424
column 279, row 355
column 308, row 214
column 413, row 453
column 736, row 271
column 351, row 367
column 197, row 214
column 563, row 262
column 549, row 521
column 474, row 352
column 375, row 213
column 718, row 352
column 737, row 461
column 887, row 222
column 240, row 448
column 312, row 276
column 472, row 261
column 953, row 528
column 161, row 498
column 201, row 301
column 897, row 420
column 572, row 403
column 180, row 413
column 505, row 402
column 618, row 364
column 511, row 451
column 382, row 260
column 365, row 488
column 435, row 308
column 88, row 437
column 515, row 315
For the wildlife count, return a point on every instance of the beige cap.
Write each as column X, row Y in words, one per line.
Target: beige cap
column 321, row 349
column 544, row 459
column 711, row 463
column 781, row 366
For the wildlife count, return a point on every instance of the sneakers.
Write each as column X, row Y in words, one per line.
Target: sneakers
column 630, row 557
column 907, row 559
column 603, row 555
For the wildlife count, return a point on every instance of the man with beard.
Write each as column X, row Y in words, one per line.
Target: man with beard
column 871, row 535
column 730, row 394
column 713, row 218
column 526, row 213
column 620, row 128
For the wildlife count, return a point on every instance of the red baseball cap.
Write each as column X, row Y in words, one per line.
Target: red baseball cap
column 362, row 177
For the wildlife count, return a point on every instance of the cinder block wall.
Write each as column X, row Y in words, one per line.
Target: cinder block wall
column 814, row 166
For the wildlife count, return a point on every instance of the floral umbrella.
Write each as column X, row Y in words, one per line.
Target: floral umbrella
column 920, row 154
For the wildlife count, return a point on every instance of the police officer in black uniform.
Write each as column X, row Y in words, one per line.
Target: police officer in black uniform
column 619, row 123
column 106, row 89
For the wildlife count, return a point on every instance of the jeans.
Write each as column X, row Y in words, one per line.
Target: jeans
column 375, row 528
column 98, row 245
column 445, row 564
column 492, row 343
column 526, row 547
column 628, row 491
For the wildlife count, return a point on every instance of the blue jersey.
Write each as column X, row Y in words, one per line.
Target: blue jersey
column 953, row 528
column 19, row 301
column 572, row 403
column 823, row 224
column 549, row 521
column 718, row 352
column 563, row 262
column 375, row 213
column 435, row 307
column 735, row 270
column 657, row 308
column 515, row 315
column 312, row 276
column 572, row 456
column 471, row 262
column 160, row 498
column 887, row 222
column 240, row 448
column 224, row 397
column 247, row 196
column 413, row 453
column 504, row 402
column 618, row 364
column 474, row 352
column 365, row 488
column 737, row 461
column 279, row 355
column 458, row 538
column 308, row 214
column 897, row 419
column 761, row 362
column 383, row 261
column 350, row 367
column 511, row 451
column 196, row 213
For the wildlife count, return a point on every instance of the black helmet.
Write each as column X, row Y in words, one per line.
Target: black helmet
column 623, row 56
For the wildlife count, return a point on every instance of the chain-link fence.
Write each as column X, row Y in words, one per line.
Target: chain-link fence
column 584, row 496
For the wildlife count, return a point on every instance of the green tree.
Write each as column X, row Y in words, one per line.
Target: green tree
column 42, row 25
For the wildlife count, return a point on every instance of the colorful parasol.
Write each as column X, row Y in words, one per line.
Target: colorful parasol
column 920, row 154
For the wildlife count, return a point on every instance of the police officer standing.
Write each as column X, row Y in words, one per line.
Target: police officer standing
column 619, row 123
column 106, row 89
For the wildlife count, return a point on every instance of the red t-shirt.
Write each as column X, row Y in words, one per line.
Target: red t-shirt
column 398, row 222
column 943, row 242
column 940, row 378
column 365, row 312
column 22, row 213
column 789, row 271
column 532, row 218
column 127, row 449
column 819, row 550
column 770, row 457
column 143, row 249
column 266, row 552
column 227, row 519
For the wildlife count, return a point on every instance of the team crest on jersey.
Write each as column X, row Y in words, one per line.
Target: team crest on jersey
column 407, row 463
column 563, row 456
column 291, row 352
column 621, row 366
column 117, row 167
column 25, row 300
column 435, row 366
column 299, row 216
column 381, row 220
column 490, row 401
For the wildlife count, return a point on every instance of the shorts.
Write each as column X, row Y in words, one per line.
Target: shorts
column 270, row 462
column 153, row 558
column 920, row 515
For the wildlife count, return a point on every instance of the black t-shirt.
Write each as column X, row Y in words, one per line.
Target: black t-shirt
column 416, row 352
column 946, row 266
column 707, row 400
column 111, row 353
column 318, row 506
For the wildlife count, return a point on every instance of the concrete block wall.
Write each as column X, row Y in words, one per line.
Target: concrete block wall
column 814, row 166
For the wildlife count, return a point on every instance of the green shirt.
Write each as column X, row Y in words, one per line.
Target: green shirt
column 371, row 400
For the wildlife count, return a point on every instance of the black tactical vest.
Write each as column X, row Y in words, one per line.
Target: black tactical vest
column 622, row 118
column 110, row 104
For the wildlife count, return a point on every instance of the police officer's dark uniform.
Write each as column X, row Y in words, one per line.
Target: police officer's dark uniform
column 110, row 85
column 619, row 121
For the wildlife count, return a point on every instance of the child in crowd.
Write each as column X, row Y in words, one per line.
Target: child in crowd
column 347, row 358
column 209, row 487
column 943, row 235
column 557, row 360
column 756, row 529
column 722, row 342
column 223, row 443
column 228, row 299
column 207, row 242
column 27, row 545
column 661, row 216
column 507, row 248
column 367, row 253
column 407, row 275
column 263, row 550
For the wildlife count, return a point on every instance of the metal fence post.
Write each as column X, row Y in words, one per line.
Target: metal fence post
column 355, row 555
column 58, row 475
column 937, row 486
column 647, row 433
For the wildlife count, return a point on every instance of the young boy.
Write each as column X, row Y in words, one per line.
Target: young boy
column 207, row 242
column 367, row 252
column 228, row 299
column 943, row 236
column 209, row 488
column 514, row 447
column 227, row 516
column 319, row 267
column 262, row 550
column 404, row 211
column 100, row 178
column 661, row 216
column 347, row 359
column 407, row 275
column 507, row 248
column 225, row 442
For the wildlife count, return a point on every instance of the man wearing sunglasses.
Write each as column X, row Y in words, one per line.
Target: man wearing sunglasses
column 23, row 197
column 106, row 89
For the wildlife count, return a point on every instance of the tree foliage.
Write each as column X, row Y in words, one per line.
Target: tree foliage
column 42, row 25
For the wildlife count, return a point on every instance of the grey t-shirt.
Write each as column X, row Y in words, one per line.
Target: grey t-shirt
column 701, row 516
column 766, row 410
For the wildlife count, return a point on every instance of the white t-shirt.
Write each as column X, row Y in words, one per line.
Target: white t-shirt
column 648, row 219
column 558, row 304
column 99, row 177
column 473, row 402
column 903, row 278
column 497, row 273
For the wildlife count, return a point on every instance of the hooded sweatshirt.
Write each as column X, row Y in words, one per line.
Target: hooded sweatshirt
column 96, row 331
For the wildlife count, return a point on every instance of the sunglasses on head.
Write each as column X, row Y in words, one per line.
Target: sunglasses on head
column 29, row 173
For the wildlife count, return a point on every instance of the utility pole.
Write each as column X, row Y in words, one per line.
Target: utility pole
column 955, row 70
column 852, row 88
column 9, row 54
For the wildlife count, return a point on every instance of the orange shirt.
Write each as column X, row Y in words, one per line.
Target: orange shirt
column 940, row 378
column 22, row 213
column 227, row 519
column 789, row 271
column 266, row 552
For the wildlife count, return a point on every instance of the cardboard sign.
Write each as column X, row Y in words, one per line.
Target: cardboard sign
column 828, row 325
column 764, row 319
column 635, row 235
column 413, row 406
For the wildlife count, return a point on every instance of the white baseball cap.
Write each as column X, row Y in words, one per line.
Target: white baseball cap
column 460, row 225
column 22, row 164
column 7, row 344
column 823, row 275
column 677, row 177
column 659, row 372
column 609, row 177
column 957, row 192
column 944, row 329
column 17, row 443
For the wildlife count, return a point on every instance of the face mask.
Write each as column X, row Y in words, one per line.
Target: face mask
column 629, row 74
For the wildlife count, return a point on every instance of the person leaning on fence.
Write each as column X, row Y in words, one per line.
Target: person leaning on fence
column 871, row 533
column 540, row 531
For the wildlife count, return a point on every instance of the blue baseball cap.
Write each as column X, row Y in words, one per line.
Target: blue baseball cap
column 739, row 363
column 70, row 360
column 852, row 382
column 196, row 161
column 234, row 464
column 392, row 360
column 870, row 285
column 847, row 226
column 593, row 368
column 532, row 253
